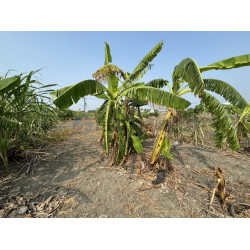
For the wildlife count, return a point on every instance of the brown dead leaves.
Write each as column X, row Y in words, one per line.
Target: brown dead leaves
column 43, row 204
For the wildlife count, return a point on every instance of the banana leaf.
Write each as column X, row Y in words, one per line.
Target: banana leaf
column 187, row 70
column 229, row 63
column 245, row 112
column 227, row 91
column 74, row 93
column 143, row 65
column 157, row 96
column 137, row 144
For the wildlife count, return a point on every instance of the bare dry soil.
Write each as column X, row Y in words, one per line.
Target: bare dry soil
column 74, row 179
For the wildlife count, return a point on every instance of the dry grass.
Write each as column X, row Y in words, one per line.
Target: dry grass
column 55, row 136
column 244, row 214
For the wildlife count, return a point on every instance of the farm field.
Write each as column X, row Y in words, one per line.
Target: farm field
column 74, row 179
column 124, row 125
column 121, row 159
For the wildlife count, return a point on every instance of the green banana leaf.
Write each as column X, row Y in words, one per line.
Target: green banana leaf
column 157, row 83
column 245, row 112
column 229, row 63
column 222, row 122
column 227, row 91
column 113, row 85
column 187, row 70
column 4, row 144
column 157, row 96
column 143, row 65
column 137, row 144
column 165, row 148
column 58, row 92
column 74, row 93
column 108, row 58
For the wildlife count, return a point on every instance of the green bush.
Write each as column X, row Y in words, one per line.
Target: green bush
column 156, row 113
column 145, row 114
column 66, row 114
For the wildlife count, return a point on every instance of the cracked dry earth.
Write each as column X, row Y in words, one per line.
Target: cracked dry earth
column 75, row 180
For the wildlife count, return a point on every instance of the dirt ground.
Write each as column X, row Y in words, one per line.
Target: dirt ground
column 74, row 179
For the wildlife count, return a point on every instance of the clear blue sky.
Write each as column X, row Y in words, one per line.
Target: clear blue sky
column 70, row 57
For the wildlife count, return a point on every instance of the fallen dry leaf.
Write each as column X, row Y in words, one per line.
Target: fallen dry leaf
column 138, row 170
column 151, row 178
column 28, row 216
column 187, row 167
column 1, row 213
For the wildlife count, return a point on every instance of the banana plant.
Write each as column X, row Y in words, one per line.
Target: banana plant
column 243, row 124
column 189, row 71
column 116, row 120
column 187, row 78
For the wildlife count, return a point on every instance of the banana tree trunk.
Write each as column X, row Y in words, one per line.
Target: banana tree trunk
column 126, row 107
column 157, row 148
column 141, row 118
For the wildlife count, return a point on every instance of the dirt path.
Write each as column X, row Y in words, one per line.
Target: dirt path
column 75, row 180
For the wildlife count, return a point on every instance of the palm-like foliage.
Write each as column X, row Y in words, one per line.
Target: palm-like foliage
column 120, row 128
column 187, row 78
column 188, row 71
column 222, row 122
column 245, row 112
column 229, row 63
column 143, row 65
column 156, row 96
column 73, row 94
column 243, row 124
column 227, row 91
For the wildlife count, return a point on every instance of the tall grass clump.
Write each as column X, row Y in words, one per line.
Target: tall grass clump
column 25, row 112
